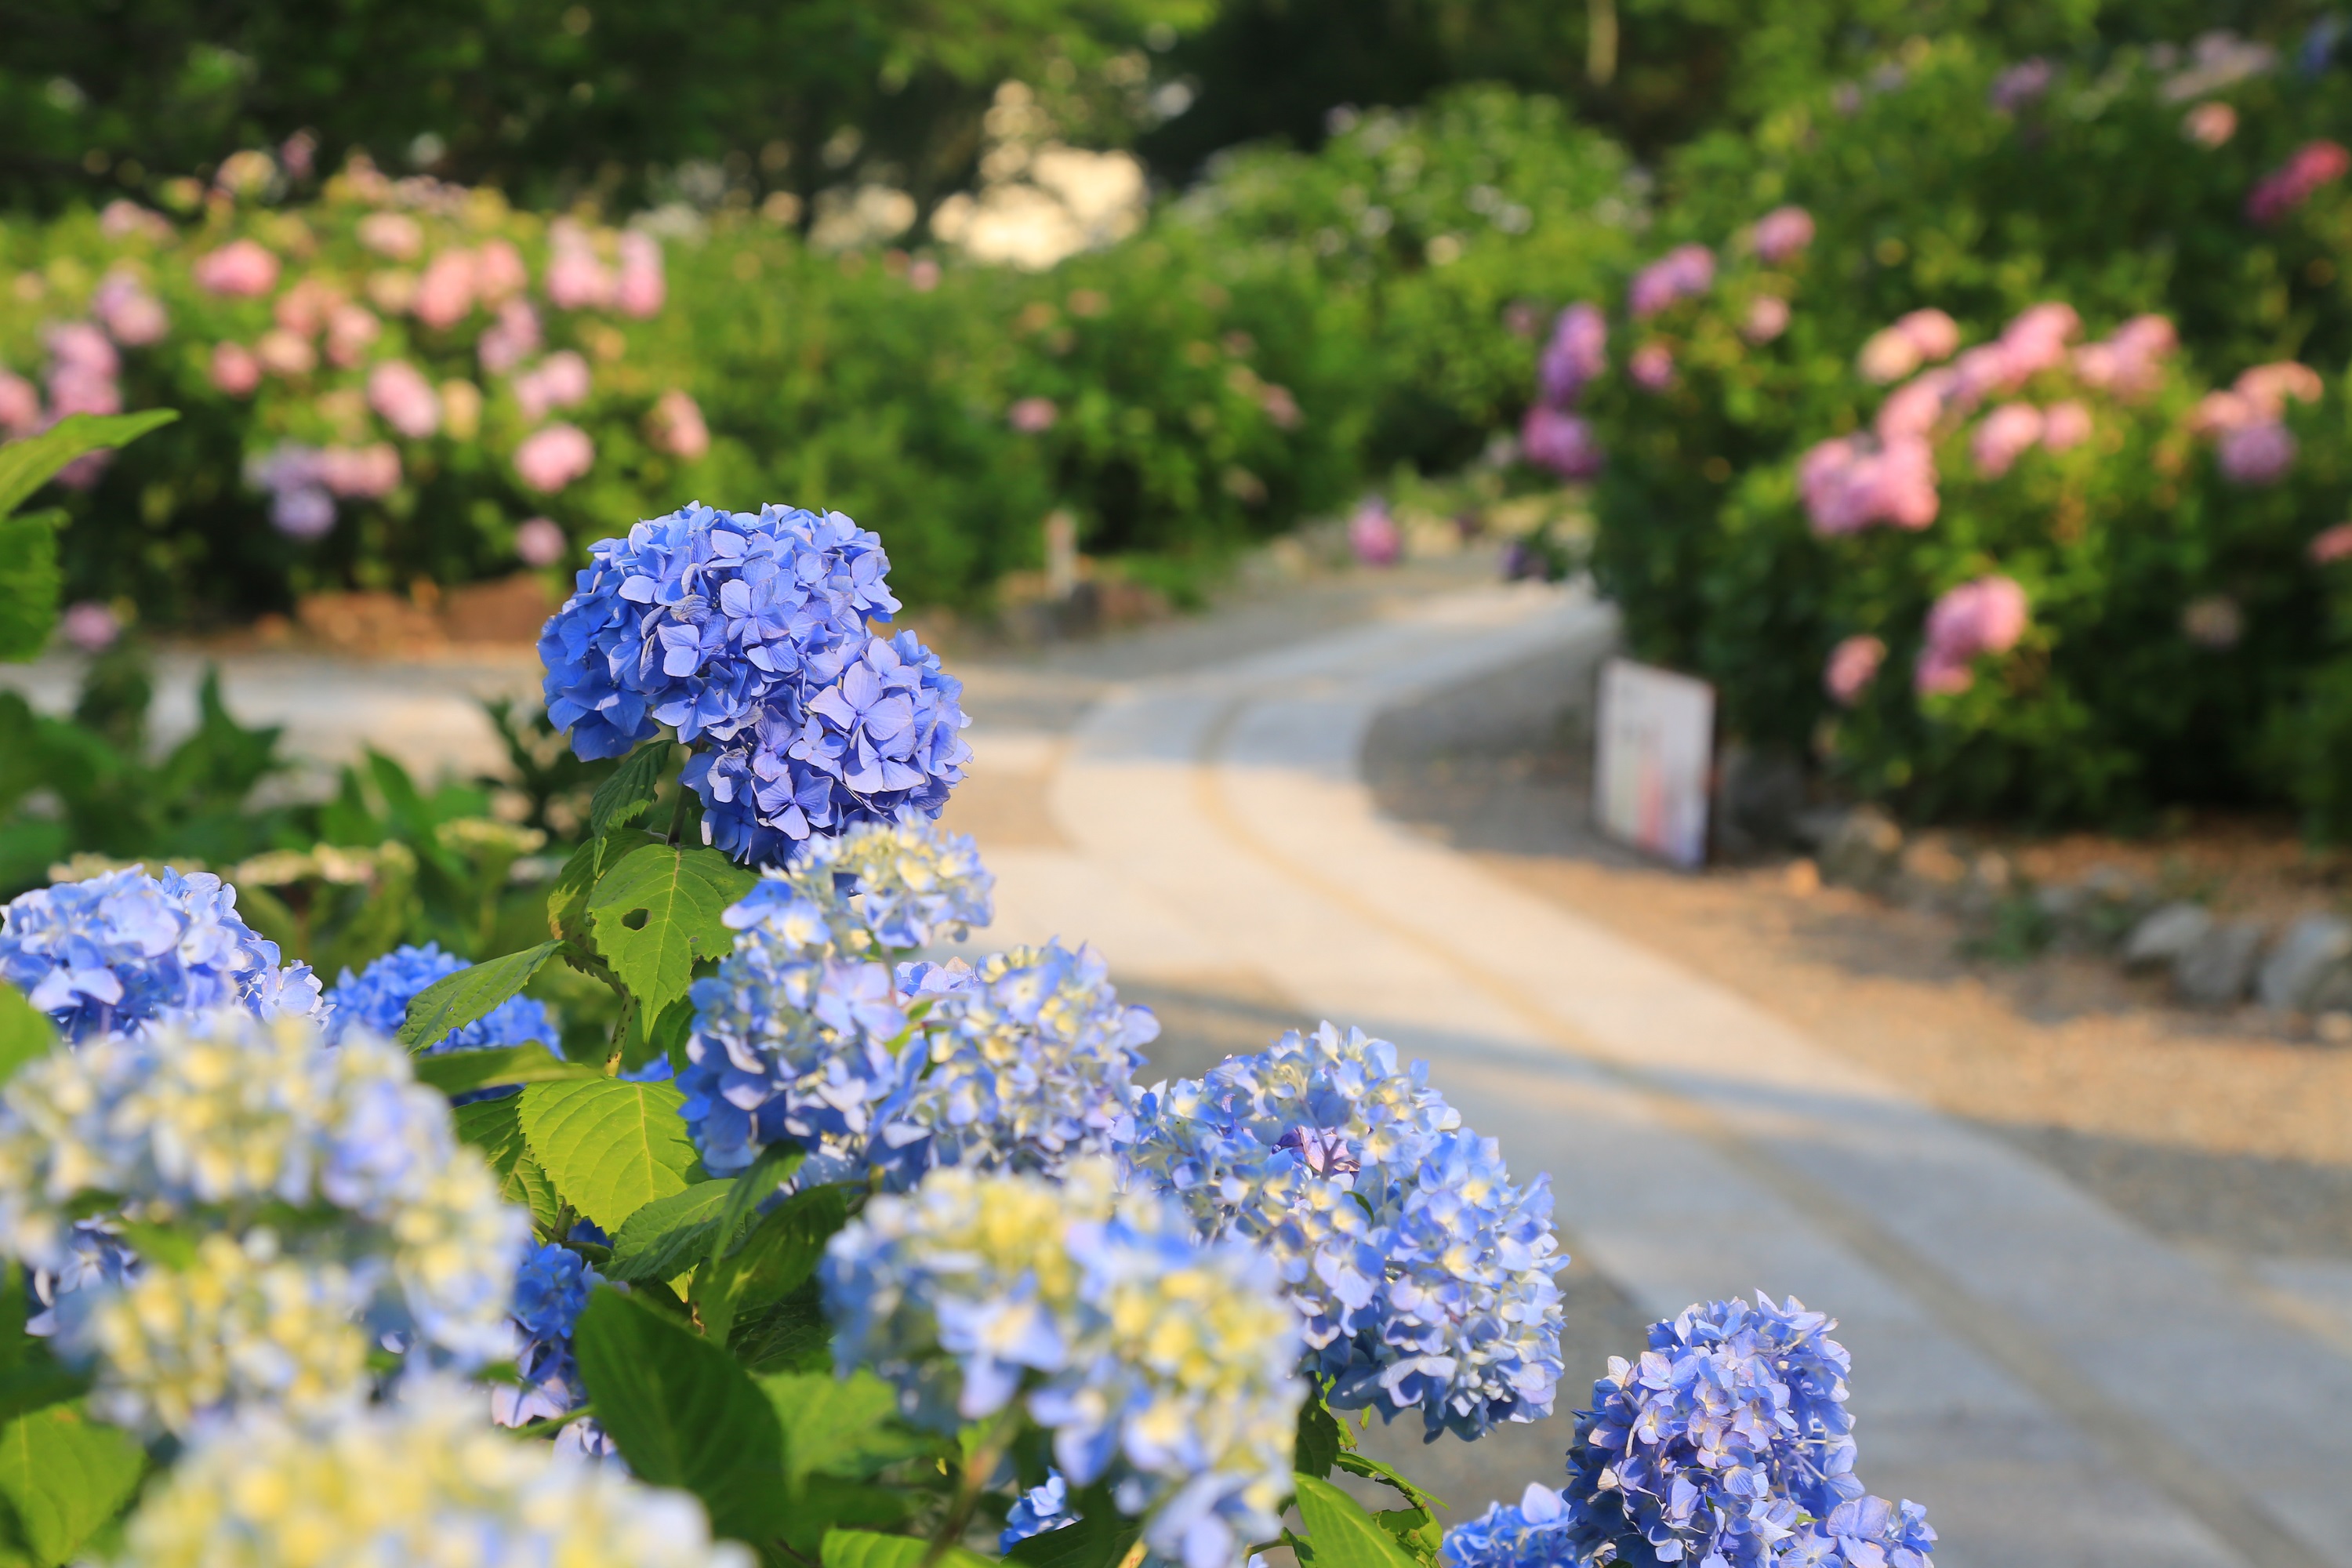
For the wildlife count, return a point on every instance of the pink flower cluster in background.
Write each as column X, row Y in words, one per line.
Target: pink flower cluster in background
column 1922, row 337
column 131, row 316
column 1577, row 353
column 551, row 458
column 2129, row 361
column 1853, row 666
column 676, row 426
column 1683, row 273
column 1850, row 482
column 404, row 399
column 2281, row 191
column 1988, row 615
column 559, row 380
column 1373, row 535
column 1563, row 442
column 539, row 542
column 1782, row 234
column 2247, row 421
column 304, row 482
column 241, row 269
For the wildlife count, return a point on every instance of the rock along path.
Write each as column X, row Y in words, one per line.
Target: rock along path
column 2059, row 1386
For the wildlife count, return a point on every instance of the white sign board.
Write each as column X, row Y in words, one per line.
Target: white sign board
column 1656, row 746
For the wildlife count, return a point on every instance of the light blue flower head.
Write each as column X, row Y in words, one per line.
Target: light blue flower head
column 550, row 1292
column 748, row 638
column 123, row 950
column 1422, row 1276
column 1534, row 1534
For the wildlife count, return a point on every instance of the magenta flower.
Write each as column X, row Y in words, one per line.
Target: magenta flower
column 539, row 542
column 1372, row 533
column 82, row 348
column 131, row 316
column 2258, row 453
column 2065, row 426
column 677, row 427
column 446, row 293
column 239, row 270
column 2313, row 164
column 1033, row 416
column 90, row 627
column 1652, row 367
column 2003, row 436
column 2330, row 544
column 233, row 370
column 1783, row 233
column 551, row 458
column 1564, row 443
column 2036, row 341
column 391, row 234
column 1279, row 407
column 20, row 404
column 399, row 393
column 559, row 380
column 1853, row 666
column 304, row 307
column 1768, row 318
column 1683, row 273
column 1577, row 353
column 640, row 289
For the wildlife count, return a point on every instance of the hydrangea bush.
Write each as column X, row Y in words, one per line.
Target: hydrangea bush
column 881, row 1255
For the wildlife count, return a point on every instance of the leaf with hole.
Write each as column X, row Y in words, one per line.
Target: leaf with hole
column 683, row 1413
column 658, row 910
column 65, row 1475
column 466, row 998
column 611, row 1148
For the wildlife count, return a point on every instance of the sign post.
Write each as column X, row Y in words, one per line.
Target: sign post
column 1656, row 734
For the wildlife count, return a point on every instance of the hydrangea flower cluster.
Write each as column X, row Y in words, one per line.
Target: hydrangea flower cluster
column 426, row 1481
column 216, row 1123
column 900, row 884
column 748, row 636
column 1042, row 1508
column 1553, row 436
column 1534, row 1534
column 377, row 998
column 793, row 1039
column 125, row 949
column 1031, row 1062
column 1163, row 1362
column 1422, row 1276
column 1729, row 1441
column 550, row 1292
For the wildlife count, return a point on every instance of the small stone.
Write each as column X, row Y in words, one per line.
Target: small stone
column 2166, row 934
column 1863, row 849
column 2215, row 970
column 2335, row 1029
column 2299, row 963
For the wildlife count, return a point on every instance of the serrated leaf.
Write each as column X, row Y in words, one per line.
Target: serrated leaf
column 657, row 912
column 1340, row 1534
column 1316, row 1448
column 844, row 1426
column 1415, row 1529
column 778, row 1257
column 495, row 1127
column 1362, row 1463
column 864, row 1549
column 683, row 1413
column 65, row 1475
column 26, row 466
column 794, row 1336
column 26, row 1034
column 462, row 1072
column 627, row 793
column 611, row 1148
column 669, row 1235
column 456, row 1000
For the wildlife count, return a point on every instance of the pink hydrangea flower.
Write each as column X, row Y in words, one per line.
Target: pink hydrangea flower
column 511, row 339
column 445, row 294
column 2210, row 124
column 500, row 272
column 640, row 289
column 1853, row 666
column 360, row 473
column 399, row 393
column 131, row 316
column 122, row 219
column 1913, row 409
column 539, row 542
column 20, row 404
column 2003, row 436
column 1851, row 482
column 576, row 279
column 239, row 270
column 1987, row 615
column 2267, row 388
column 304, row 307
column 1685, row 272
column 2258, row 453
column 1768, row 318
column 82, row 348
column 1280, row 407
column 1652, row 367
column 677, row 427
column 1887, row 355
column 2313, row 164
column 2129, row 364
column 233, row 370
column 923, row 275
column 394, row 235
column 1563, row 442
column 1935, row 334
column 351, row 329
column 1578, row 351
column 2036, row 341
column 286, row 353
column 551, row 458
column 2065, row 426
column 559, row 380
column 1783, row 233
column 1372, row 533
column 2222, row 410
column 1033, row 416
column 91, row 626
column 2330, row 544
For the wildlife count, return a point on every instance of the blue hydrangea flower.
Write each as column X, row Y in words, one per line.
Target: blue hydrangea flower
column 1042, row 1508
column 550, row 1292
column 377, row 998
column 1535, row 1534
column 1729, row 1440
column 1031, row 1059
column 792, row 1042
column 748, row 638
column 1164, row 1363
column 1422, row 1276
column 881, row 887
column 123, row 950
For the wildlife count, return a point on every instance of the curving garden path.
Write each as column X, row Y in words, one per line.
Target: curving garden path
column 2060, row 1386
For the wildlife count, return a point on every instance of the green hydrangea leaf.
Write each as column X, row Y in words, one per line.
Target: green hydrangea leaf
column 657, row 912
column 26, row 1035
column 843, row 1426
column 669, row 1235
column 65, row 1475
column 462, row 1072
column 466, row 998
column 1340, row 1534
column 611, row 1148
column 864, row 1549
column 495, row 1127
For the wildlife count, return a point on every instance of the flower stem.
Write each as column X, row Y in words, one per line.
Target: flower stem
column 976, row 1472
